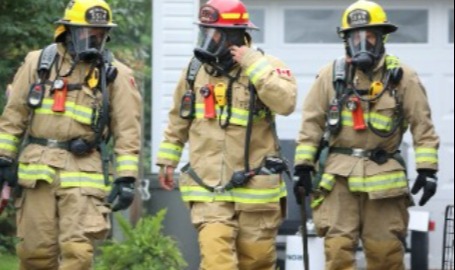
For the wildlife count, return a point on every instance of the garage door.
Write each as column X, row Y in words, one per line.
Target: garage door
column 303, row 34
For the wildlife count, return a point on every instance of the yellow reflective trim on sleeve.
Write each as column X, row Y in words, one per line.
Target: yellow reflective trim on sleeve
column 327, row 181
column 34, row 172
column 305, row 152
column 426, row 155
column 170, row 151
column 256, row 70
column 9, row 142
column 127, row 163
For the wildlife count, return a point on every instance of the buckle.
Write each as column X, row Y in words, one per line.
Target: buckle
column 52, row 143
column 219, row 189
column 358, row 152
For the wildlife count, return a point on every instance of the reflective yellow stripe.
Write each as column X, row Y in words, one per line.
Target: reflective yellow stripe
column 380, row 182
column 256, row 70
column 238, row 116
column 392, row 62
column 9, row 142
column 231, row 16
column 327, row 181
column 240, row 195
column 427, row 155
column 305, row 152
column 78, row 113
column 378, row 121
column 82, row 179
column 170, row 151
column 127, row 163
column 245, row 16
column 34, row 172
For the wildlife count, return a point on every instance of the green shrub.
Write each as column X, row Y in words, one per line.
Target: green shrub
column 144, row 248
column 7, row 230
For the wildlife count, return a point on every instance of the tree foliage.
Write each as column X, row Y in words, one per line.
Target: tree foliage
column 29, row 25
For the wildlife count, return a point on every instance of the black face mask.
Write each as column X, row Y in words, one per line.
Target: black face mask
column 213, row 46
column 365, row 54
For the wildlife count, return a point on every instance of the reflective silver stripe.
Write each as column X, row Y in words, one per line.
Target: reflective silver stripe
column 241, row 195
column 76, row 112
column 170, row 151
column 127, row 163
column 426, row 154
column 378, row 182
column 32, row 172
column 305, row 152
column 82, row 179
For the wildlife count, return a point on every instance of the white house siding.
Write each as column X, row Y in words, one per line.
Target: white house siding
column 174, row 35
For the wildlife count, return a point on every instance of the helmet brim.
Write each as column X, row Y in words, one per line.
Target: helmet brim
column 249, row 26
column 388, row 28
column 64, row 22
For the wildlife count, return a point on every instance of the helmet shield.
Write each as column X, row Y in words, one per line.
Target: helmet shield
column 88, row 42
column 366, row 47
column 213, row 43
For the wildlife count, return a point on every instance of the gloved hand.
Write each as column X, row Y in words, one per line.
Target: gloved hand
column 427, row 180
column 123, row 190
column 302, row 181
column 8, row 172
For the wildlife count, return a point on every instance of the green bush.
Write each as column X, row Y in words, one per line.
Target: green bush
column 144, row 248
column 7, row 231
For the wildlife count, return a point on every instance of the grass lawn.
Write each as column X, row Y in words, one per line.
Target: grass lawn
column 8, row 262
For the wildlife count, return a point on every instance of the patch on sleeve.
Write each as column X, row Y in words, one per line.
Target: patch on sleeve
column 284, row 72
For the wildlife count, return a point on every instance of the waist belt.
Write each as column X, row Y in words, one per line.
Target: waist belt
column 378, row 155
column 51, row 143
column 233, row 183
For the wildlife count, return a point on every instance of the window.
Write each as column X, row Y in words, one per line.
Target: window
column 311, row 26
column 413, row 26
column 451, row 26
column 257, row 16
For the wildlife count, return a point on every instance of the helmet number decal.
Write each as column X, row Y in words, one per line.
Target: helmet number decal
column 359, row 17
column 97, row 15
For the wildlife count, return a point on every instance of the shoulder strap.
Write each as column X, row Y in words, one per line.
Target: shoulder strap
column 339, row 75
column 193, row 69
column 46, row 60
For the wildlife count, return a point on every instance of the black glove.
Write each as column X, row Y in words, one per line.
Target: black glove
column 428, row 181
column 8, row 172
column 303, row 181
column 123, row 189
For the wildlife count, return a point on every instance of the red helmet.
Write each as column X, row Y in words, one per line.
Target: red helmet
column 225, row 14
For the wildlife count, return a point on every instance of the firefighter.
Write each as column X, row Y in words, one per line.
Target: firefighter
column 354, row 118
column 224, row 106
column 64, row 103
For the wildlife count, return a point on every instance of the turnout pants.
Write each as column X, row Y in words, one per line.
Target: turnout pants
column 231, row 239
column 345, row 217
column 57, row 226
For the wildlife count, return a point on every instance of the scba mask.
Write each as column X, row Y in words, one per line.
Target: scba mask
column 365, row 47
column 213, row 46
column 87, row 43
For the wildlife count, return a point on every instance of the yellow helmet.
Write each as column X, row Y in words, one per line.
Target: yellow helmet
column 365, row 14
column 86, row 13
